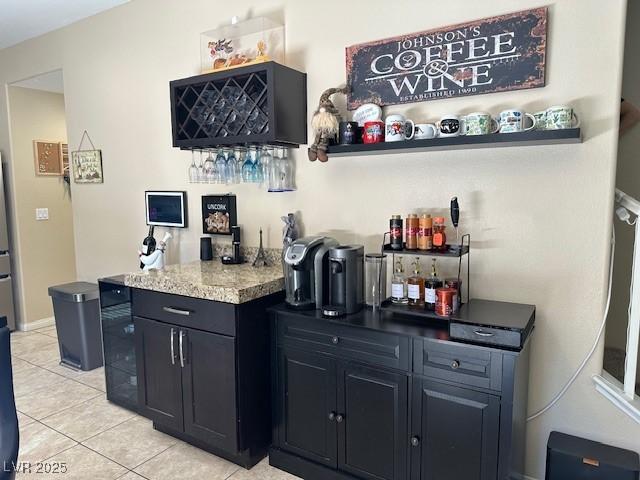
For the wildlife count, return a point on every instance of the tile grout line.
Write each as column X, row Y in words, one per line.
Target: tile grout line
column 158, row 454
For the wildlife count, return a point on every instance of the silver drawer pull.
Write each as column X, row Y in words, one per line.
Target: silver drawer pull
column 483, row 334
column 455, row 365
column 173, row 354
column 177, row 311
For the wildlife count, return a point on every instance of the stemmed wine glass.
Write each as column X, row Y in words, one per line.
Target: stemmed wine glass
column 209, row 168
column 220, row 174
column 193, row 169
column 248, row 168
column 201, row 177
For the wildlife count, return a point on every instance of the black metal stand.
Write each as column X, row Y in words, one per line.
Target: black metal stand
column 463, row 249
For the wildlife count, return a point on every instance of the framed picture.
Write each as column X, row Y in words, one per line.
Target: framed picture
column 218, row 214
column 87, row 166
column 48, row 158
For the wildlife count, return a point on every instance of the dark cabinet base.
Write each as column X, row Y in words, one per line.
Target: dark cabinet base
column 246, row 459
column 303, row 468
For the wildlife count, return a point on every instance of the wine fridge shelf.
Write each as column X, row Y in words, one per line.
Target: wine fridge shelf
column 517, row 139
column 463, row 249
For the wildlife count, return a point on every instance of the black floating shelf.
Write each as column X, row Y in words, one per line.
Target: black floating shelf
column 454, row 251
column 411, row 311
column 518, row 139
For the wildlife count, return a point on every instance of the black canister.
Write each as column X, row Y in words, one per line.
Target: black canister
column 395, row 227
column 206, row 249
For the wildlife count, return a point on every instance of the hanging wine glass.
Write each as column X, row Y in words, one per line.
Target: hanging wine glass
column 258, row 176
column 220, row 174
column 275, row 178
column 232, row 167
column 201, row 177
column 288, row 172
column 193, row 169
column 209, row 168
column 247, row 167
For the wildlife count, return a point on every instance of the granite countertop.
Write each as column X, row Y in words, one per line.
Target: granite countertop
column 212, row 280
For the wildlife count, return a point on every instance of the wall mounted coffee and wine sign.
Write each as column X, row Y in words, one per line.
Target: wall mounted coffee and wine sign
column 495, row 54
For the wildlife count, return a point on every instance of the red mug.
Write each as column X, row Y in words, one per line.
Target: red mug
column 373, row 132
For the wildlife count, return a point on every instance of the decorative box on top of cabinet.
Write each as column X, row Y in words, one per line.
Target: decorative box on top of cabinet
column 374, row 397
column 257, row 104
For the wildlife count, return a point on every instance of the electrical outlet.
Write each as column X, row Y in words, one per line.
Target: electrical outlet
column 42, row 214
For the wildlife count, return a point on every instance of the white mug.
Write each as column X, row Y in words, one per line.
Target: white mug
column 451, row 126
column 425, row 130
column 480, row 123
column 561, row 116
column 397, row 128
column 513, row 120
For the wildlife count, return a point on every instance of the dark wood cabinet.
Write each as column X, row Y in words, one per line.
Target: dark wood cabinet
column 307, row 399
column 256, row 104
column 209, row 388
column 159, row 372
column 455, row 432
column 372, row 436
column 372, row 396
column 203, row 371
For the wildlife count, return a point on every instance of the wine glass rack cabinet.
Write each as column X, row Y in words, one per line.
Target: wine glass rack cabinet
column 263, row 104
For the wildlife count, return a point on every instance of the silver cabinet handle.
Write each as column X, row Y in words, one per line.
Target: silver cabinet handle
column 5, row 278
column 180, row 346
column 173, row 355
column 177, row 311
column 483, row 334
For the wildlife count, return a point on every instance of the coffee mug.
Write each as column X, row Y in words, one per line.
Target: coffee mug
column 513, row 120
column 398, row 129
column 480, row 123
column 541, row 120
column 425, row 130
column 373, row 132
column 348, row 133
column 451, row 126
column 561, row 116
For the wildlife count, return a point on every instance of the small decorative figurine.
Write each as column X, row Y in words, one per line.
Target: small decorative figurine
column 325, row 124
column 261, row 257
column 220, row 52
column 156, row 258
column 262, row 52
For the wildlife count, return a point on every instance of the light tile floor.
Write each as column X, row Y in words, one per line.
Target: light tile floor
column 65, row 418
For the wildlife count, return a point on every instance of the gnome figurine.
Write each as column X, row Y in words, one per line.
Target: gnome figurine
column 325, row 124
column 156, row 258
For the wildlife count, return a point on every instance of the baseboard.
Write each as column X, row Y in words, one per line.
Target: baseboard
column 38, row 324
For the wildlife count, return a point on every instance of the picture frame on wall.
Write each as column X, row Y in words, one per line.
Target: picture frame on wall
column 219, row 214
column 87, row 166
column 48, row 158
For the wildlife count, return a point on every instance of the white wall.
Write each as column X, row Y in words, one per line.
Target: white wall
column 540, row 217
column 47, row 248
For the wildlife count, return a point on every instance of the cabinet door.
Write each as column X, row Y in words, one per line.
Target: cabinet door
column 372, row 431
column 159, row 372
column 209, row 385
column 455, row 433
column 307, row 403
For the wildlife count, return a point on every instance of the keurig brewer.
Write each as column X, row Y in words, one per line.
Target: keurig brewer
column 305, row 267
column 346, row 264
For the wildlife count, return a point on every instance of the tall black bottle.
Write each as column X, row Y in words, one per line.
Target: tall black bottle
column 148, row 244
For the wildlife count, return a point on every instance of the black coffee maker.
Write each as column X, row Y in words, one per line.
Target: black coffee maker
column 346, row 288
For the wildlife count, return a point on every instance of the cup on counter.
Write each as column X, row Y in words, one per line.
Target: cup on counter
column 561, row 116
column 451, row 126
column 480, row 123
column 424, row 131
column 348, row 133
column 373, row 132
column 398, row 128
column 513, row 120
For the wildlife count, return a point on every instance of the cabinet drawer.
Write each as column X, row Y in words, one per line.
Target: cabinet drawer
column 490, row 336
column 207, row 315
column 353, row 343
column 466, row 365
